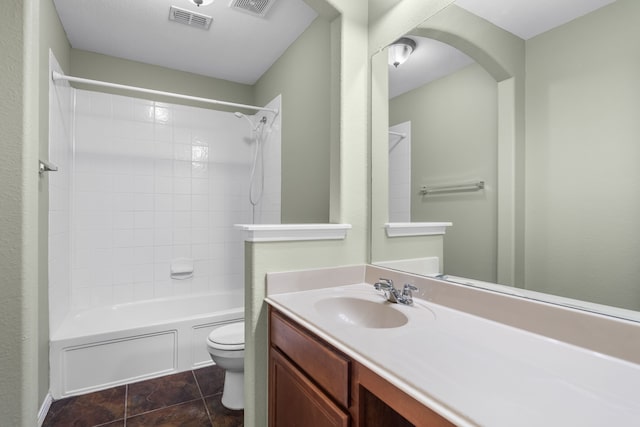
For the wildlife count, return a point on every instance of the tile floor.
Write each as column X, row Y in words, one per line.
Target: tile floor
column 186, row 399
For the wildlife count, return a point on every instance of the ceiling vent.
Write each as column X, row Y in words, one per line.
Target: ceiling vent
column 189, row 18
column 253, row 7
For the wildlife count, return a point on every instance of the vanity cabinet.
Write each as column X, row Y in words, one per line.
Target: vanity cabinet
column 312, row 384
column 308, row 381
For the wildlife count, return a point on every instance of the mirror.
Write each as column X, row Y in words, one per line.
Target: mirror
column 546, row 119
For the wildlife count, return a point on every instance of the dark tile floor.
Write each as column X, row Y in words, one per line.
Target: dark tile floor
column 189, row 399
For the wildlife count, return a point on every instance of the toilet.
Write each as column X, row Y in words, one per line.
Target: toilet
column 226, row 347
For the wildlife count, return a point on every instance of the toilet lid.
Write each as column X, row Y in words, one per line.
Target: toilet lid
column 229, row 337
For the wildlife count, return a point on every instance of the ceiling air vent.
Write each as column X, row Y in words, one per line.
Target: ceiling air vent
column 254, row 7
column 189, row 18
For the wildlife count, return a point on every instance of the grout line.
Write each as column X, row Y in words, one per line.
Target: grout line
column 195, row 378
column 165, row 407
column 204, row 402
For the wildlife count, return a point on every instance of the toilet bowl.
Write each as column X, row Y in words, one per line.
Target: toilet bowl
column 226, row 347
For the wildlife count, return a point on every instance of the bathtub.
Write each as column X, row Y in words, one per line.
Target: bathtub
column 108, row 346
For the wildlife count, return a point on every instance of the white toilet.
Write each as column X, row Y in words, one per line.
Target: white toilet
column 226, row 347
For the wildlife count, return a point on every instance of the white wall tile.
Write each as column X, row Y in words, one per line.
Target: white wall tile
column 163, row 202
column 162, row 254
column 163, row 236
column 163, row 132
column 143, row 237
column 201, row 251
column 163, row 185
column 162, row 219
column 143, row 184
column 144, row 202
column 155, row 181
column 163, row 289
column 199, row 219
column 143, row 255
column 179, row 251
column 122, row 220
column 143, row 291
column 143, row 273
column 182, row 219
column 182, row 236
column 123, row 275
column 143, row 220
column 182, row 168
column 181, row 185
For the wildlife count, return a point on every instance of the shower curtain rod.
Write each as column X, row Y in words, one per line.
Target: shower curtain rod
column 59, row 76
column 402, row 135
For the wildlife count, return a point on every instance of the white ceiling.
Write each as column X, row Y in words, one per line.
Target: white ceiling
column 528, row 18
column 524, row 18
column 238, row 47
column 430, row 61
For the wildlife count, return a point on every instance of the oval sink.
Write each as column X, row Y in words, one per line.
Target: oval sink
column 361, row 312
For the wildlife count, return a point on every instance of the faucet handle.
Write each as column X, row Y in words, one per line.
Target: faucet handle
column 408, row 287
column 407, row 297
column 383, row 284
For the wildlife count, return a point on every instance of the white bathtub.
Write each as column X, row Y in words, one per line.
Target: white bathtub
column 108, row 346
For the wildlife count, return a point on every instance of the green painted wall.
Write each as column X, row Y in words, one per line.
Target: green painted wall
column 28, row 30
column 95, row 66
column 444, row 152
column 23, row 306
column 582, row 169
column 15, row 384
column 350, row 205
column 303, row 76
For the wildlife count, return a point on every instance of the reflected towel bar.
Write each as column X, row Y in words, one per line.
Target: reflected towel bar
column 433, row 189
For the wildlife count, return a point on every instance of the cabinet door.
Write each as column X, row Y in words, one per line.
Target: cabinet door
column 295, row 401
column 328, row 369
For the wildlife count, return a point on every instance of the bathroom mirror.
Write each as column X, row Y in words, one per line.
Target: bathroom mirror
column 554, row 146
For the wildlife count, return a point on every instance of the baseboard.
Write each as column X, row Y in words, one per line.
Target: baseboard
column 44, row 409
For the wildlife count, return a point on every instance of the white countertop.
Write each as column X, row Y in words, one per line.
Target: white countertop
column 475, row 371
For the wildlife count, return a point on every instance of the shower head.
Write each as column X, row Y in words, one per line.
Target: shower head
column 238, row 114
column 254, row 126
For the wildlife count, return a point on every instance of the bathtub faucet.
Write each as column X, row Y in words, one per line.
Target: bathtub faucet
column 394, row 295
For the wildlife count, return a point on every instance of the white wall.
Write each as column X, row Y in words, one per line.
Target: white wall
column 269, row 205
column 60, row 150
column 400, row 173
column 152, row 182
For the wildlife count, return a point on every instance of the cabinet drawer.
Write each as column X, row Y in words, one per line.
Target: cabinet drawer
column 328, row 368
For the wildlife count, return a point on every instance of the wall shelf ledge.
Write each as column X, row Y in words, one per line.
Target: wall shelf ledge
column 292, row 232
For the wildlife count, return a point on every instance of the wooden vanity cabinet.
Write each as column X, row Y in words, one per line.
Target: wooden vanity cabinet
column 312, row 384
column 308, row 380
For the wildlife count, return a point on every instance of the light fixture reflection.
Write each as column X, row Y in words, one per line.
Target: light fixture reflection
column 400, row 50
column 201, row 2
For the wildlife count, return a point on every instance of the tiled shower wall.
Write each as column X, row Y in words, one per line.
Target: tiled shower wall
column 60, row 145
column 154, row 182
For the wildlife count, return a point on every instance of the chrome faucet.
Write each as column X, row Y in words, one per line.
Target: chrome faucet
column 394, row 295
